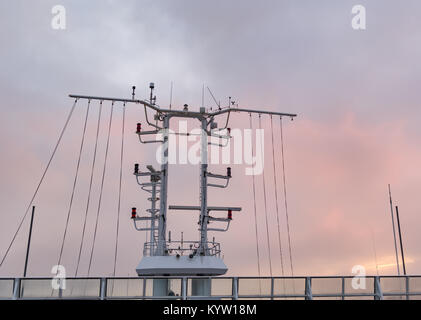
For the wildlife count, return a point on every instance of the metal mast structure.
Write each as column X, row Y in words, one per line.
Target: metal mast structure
column 161, row 256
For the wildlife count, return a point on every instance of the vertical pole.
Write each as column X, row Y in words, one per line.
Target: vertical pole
column 162, row 224
column 203, row 96
column 203, row 190
column 153, row 214
column 144, row 288
column 160, row 286
column 203, row 287
column 16, row 288
column 308, row 291
column 400, row 240
column 103, row 289
column 235, row 288
column 272, row 288
column 171, row 95
column 394, row 232
column 378, row 293
column 29, row 242
column 184, row 288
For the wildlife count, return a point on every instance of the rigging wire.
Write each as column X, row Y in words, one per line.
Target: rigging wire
column 41, row 180
column 102, row 186
column 255, row 208
column 276, row 198
column 74, row 183
column 90, row 188
column 119, row 187
column 285, row 195
column 265, row 203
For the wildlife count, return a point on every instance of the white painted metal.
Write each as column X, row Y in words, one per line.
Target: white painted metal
column 162, row 224
column 181, row 266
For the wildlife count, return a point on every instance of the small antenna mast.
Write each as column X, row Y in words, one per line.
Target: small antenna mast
column 171, row 95
column 133, row 92
column 203, row 96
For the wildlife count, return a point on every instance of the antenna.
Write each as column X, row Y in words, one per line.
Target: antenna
column 133, row 92
column 171, row 94
column 152, row 98
column 203, row 96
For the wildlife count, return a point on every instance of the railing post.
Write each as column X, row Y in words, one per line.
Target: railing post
column 184, row 288
column 343, row 288
column 308, row 292
column 235, row 288
column 271, row 288
column 16, row 288
column 407, row 287
column 378, row 293
column 103, row 289
column 144, row 287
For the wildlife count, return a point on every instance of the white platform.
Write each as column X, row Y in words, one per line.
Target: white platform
column 181, row 266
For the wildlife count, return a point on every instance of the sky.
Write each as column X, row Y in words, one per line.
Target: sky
column 357, row 130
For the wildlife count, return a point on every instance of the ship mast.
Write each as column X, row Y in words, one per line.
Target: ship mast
column 161, row 256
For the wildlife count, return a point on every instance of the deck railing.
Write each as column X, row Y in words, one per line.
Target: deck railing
column 180, row 288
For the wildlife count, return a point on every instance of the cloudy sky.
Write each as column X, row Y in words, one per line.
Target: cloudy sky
column 356, row 94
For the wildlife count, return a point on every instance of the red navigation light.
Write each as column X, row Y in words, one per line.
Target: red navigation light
column 134, row 213
column 229, row 214
column 138, row 128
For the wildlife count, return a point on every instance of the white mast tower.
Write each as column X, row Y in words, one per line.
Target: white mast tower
column 161, row 256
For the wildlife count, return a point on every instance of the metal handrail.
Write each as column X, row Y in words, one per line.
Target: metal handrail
column 303, row 291
column 183, row 248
